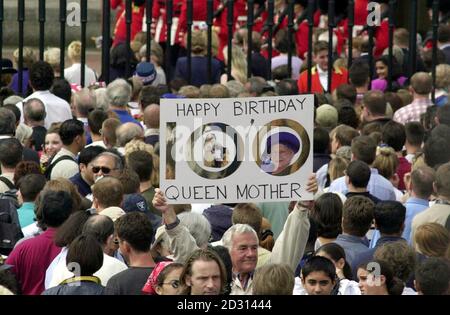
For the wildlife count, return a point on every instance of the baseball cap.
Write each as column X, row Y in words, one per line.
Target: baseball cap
column 146, row 72
column 327, row 116
column 113, row 213
column 134, row 202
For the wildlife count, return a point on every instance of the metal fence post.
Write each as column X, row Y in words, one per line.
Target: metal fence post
column 84, row 11
column 1, row 32
column 331, row 20
column 435, row 25
column 189, row 40
column 41, row 29
column 230, row 18
column 21, row 20
column 250, row 16
column 351, row 23
column 106, row 40
column 62, row 39
column 271, row 9
column 391, row 42
column 290, row 35
column 169, row 8
column 311, row 6
column 209, row 46
column 148, row 16
column 128, row 20
column 413, row 39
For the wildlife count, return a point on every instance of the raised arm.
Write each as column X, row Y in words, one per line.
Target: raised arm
column 182, row 244
column 290, row 245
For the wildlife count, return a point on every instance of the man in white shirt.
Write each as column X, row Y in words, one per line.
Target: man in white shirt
column 73, row 73
column 64, row 162
column 41, row 79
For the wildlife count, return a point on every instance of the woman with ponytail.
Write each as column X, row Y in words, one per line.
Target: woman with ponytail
column 377, row 278
column 345, row 284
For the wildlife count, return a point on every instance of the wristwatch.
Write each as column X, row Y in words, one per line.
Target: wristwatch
column 173, row 225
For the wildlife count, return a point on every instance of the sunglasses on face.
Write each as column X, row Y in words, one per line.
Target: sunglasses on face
column 105, row 170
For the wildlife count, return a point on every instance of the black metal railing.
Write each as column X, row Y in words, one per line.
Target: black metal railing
column 269, row 30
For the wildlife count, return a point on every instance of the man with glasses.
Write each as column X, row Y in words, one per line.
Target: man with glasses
column 85, row 178
column 107, row 164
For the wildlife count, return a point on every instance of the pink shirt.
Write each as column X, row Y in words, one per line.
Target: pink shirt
column 413, row 111
column 31, row 258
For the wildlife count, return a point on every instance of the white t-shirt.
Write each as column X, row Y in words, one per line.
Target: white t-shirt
column 57, row 271
column 73, row 75
column 346, row 287
column 57, row 109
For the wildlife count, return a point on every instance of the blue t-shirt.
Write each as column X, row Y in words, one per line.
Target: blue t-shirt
column 124, row 116
column 26, row 214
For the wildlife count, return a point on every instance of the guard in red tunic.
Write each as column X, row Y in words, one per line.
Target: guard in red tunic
column 159, row 20
column 319, row 73
column 120, row 4
column 221, row 26
column 137, row 15
column 199, row 18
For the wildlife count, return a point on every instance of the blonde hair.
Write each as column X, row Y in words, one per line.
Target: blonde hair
column 74, row 50
column 386, row 162
column 29, row 57
column 273, row 279
column 432, row 240
column 137, row 145
column 238, row 64
column 189, row 91
column 337, row 167
column 443, row 76
column 51, row 55
column 198, row 42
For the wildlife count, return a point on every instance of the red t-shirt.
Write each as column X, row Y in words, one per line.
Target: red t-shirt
column 30, row 260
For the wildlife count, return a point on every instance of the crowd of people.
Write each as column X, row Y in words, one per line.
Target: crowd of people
column 81, row 212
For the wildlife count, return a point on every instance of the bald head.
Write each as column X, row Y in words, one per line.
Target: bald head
column 34, row 111
column 84, row 101
column 151, row 116
column 422, row 83
column 99, row 226
column 127, row 132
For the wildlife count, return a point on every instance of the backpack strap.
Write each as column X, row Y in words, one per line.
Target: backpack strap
column 7, row 182
column 50, row 167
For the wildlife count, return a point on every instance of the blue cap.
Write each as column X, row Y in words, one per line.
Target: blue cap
column 134, row 202
column 286, row 138
column 219, row 216
column 146, row 72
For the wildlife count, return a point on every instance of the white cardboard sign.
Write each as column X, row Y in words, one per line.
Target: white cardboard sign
column 237, row 149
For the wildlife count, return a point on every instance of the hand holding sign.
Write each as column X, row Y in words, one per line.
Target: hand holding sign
column 312, row 186
column 160, row 203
